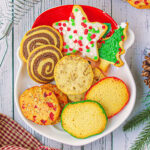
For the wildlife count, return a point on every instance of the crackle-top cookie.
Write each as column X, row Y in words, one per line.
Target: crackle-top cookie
column 80, row 34
column 40, row 105
column 73, row 75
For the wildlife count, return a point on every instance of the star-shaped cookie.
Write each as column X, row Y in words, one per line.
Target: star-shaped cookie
column 80, row 35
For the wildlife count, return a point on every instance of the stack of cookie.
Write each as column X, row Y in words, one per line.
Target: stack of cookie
column 75, row 54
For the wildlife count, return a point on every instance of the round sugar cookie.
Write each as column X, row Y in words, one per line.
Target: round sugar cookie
column 98, row 75
column 83, row 119
column 41, row 63
column 39, row 105
column 111, row 92
column 41, row 35
column 73, row 75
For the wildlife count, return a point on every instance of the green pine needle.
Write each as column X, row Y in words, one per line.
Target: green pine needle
column 143, row 139
column 137, row 120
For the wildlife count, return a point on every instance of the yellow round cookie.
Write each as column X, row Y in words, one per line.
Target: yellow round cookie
column 73, row 75
column 39, row 105
column 98, row 75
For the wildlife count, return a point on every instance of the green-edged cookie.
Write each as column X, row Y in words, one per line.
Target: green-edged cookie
column 83, row 119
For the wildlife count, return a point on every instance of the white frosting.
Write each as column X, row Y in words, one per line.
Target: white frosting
column 123, row 25
column 93, row 54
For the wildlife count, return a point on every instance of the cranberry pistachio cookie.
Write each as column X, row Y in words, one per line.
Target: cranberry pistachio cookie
column 80, row 34
column 73, row 75
column 42, row 35
column 83, row 119
column 62, row 98
column 41, row 63
column 40, row 105
column 140, row 4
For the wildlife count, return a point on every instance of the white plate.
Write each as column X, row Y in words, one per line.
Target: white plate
column 55, row 132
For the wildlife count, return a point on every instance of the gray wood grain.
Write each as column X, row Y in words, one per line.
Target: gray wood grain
column 139, row 21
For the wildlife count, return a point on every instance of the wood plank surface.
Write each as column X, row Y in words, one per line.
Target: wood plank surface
column 139, row 21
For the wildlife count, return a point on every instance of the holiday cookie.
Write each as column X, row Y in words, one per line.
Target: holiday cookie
column 42, row 35
column 73, row 75
column 111, row 48
column 80, row 34
column 41, row 63
column 98, row 75
column 83, row 119
column 39, row 105
column 111, row 93
column 62, row 98
column 140, row 4
column 76, row 98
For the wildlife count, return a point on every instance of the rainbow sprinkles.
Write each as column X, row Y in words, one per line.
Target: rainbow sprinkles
column 80, row 35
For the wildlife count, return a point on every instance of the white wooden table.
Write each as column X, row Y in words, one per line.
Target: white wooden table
column 139, row 21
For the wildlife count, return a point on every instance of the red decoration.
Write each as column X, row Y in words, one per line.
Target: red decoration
column 68, row 29
column 61, row 28
column 64, row 43
column 83, row 18
column 86, row 31
column 103, row 27
column 80, row 49
column 75, row 41
column 75, row 31
column 51, row 115
column 90, row 27
column 64, row 24
column 87, row 47
column 71, row 49
column 93, row 36
column 59, row 24
column 92, row 42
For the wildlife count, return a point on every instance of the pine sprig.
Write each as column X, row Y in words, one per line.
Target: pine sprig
column 143, row 139
column 137, row 120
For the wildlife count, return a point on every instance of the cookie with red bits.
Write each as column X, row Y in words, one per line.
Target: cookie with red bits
column 40, row 105
column 140, row 4
column 62, row 98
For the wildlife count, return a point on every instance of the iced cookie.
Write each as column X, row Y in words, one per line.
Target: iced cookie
column 73, row 75
column 80, row 34
column 140, row 4
column 42, row 35
column 41, row 63
column 111, row 48
column 111, row 92
column 39, row 105
column 83, row 119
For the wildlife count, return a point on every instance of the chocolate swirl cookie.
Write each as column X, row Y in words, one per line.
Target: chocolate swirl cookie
column 41, row 63
column 42, row 35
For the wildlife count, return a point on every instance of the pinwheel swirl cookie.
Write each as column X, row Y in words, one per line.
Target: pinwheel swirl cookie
column 42, row 35
column 41, row 63
column 80, row 35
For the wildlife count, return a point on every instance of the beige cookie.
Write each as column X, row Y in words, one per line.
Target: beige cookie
column 73, row 75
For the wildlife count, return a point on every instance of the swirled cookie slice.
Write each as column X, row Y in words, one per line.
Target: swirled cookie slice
column 39, row 105
column 42, row 35
column 41, row 63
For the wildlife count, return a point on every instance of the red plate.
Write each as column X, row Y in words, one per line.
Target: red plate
column 63, row 13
